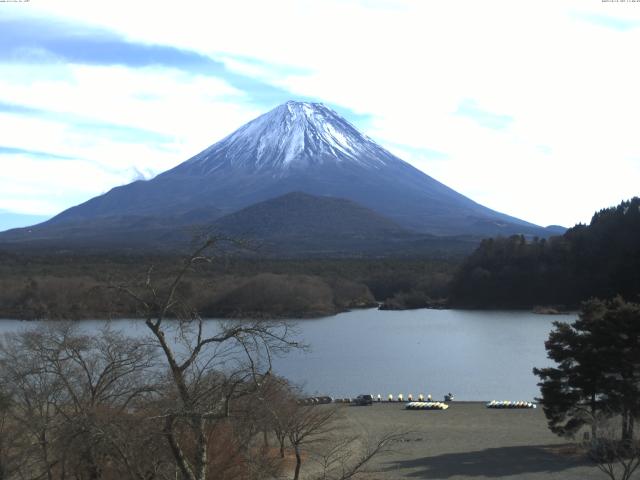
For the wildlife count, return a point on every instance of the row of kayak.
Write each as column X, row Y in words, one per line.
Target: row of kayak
column 390, row 399
column 315, row 400
column 509, row 404
column 419, row 405
column 426, row 406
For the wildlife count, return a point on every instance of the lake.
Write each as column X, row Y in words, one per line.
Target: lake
column 477, row 355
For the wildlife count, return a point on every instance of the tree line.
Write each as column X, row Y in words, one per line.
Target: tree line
column 71, row 287
column 601, row 260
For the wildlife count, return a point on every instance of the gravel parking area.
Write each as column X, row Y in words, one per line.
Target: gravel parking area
column 470, row 441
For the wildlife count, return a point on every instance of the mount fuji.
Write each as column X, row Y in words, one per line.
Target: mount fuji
column 296, row 147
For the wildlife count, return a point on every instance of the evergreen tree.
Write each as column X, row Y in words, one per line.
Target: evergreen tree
column 598, row 368
column 598, row 260
column 615, row 328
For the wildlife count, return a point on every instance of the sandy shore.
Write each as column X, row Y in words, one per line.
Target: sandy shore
column 469, row 441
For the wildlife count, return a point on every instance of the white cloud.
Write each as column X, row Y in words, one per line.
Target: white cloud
column 44, row 187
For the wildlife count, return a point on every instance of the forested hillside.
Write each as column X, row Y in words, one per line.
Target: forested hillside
column 68, row 286
column 601, row 259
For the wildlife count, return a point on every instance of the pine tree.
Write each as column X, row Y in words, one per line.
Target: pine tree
column 598, row 368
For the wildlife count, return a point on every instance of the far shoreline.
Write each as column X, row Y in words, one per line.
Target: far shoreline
column 294, row 316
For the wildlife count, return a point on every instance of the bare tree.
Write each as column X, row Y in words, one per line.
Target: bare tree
column 318, row 431
column 278, row 402
column 11, row 439
column 209, row 369
column 308, row 425
column 69, row 390
column 617, row 457
column 344, row 458
column 33, row 395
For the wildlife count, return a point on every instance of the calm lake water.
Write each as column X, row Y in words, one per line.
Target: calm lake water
column 477, row 355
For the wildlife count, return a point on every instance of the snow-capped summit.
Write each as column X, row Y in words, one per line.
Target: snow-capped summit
column 292, row 135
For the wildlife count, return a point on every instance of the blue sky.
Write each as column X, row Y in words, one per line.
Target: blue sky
column 528, row 109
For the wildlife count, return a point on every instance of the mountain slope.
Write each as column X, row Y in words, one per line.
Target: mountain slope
column 301, row 224
column 297, row 213
column 298, row 224
column 303, row 147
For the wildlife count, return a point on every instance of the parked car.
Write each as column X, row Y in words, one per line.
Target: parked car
column 363, row 400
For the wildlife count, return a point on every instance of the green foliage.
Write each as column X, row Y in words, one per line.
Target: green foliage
column 599, row 260
column 598, row 368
